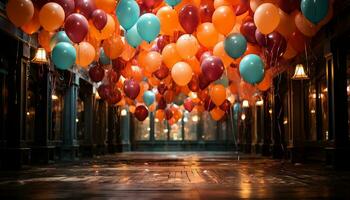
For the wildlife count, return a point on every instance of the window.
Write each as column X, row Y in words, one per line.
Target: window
column 142, row 129
column 161, row 130
column 191, row 125
column 209, row 127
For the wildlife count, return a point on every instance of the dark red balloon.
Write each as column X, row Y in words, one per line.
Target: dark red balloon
column 205, row 55
column 189, row 18
column 141, row 112
column 162, row 88
column 85, row 7
column 150, row 4
column 104, row 91
column 203, row 81
column 212, row 68
column 208, row 104
column 76, row 27
column 225, row 106
column 248, row 29
column 96, row 73
column 114, row 97
column 162, row 72
column 113, row 76
column 131, row 88
column 193, row 85
column 162, row 41
column 67, row 5
column 161, row 104
column 276, row 44
column 118, row 64
column 188, row 104
column 206, row 10
column 242, row 7
column 40, row 3
column 288, row 6
column 99, row 19
column 261, row 39
column 168, row 114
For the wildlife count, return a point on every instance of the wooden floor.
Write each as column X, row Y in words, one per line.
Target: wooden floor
column 206, row 175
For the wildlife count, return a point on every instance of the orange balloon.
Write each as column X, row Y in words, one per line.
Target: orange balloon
column 287, row 25
column 153, row 61
column 44, row 38
column 207, row 35
column 305, row 26
column 195, row 65
column 220, row 52
column 170, row 55
column 128, row 52
column 20, row 12
column 254, row 4
column 108, row 6
column 218, row 3
column 181, row 73
column 106, row 32
column 187, row 46
column 290, row 52
column 132, row 108
column 224, row 19
column 51, row 16
column 266, row 83
column 160, row 115
column 185, row 2
column 169, row 20
column 266, row 18
column 217, row 94
column 33, row 25
column 233, row 75
column 141, row 58
column 113, row 47
column 217, row 114
column 240, row 18
column 252, row 49
column 234, row 88
column 85, row 54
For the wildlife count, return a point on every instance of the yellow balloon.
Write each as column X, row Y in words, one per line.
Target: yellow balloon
column 85, row 54
column 266, row 18
column 224, row 19
column 51, row 16
column 187, row 46
column 181, row 73
column 170, row 55
column 217, row 94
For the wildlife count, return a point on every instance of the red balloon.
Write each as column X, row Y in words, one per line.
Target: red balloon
column 288, row 6
column 76, row 27
column 203, row 81
column 161, row 104
column 168, row 114
column 162, row 41
column 248, row 29
column 188, row 104
column 99, row 19
column 162, row 88
column 189, row 18
column 193, row 85
column 298, row 41
column 209, row 104
column 162, row 72
column 113, row 76
column 141, row 112
column 276, row 44
column 114, row 97
column 104, row 91
column 96, row 73
column 242, row 7
column 85, row 7
column 67, row 5
column 131, row 88
column 118, row 64
column 212, row 68
column 206, row 10
column 150, row 4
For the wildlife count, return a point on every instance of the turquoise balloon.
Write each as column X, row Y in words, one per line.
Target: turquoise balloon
column 251, row 69
column 104, row 60
column 133, row 37
column 149, row 97
column 235, row 45
column 60, row 36
column 173, row 2
column 128, row 12
column 148, row 27
column 314, row 10
column 63, row 55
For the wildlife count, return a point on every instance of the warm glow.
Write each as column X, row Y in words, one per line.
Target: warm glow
column 260, row 102
column 245, row 104
column 156, row 120
column 299, row 73
column 185, row 119
column 193, row 95
column 123, row 112
column 243, row 116
column 97, row 96
column 232, row 99
column 54, row 97
column 195, row 118
column 40, row 56
column 270, row 111
column 165, row 130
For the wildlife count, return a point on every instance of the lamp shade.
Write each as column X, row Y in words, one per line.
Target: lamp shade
column 299, row 73
column 40, row 56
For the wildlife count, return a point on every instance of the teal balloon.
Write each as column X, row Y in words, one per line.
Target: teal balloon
column 63, row 55
column 60, row 36
column 133, row 37
column 173, row 2
column 179, row 99
column 235, row 45
column 128, row 12
column 149, row 97
column 251, row 68
column 236, row 109
column 148, row 27
column 104, row 60
column 314, row 10
column 223, row 81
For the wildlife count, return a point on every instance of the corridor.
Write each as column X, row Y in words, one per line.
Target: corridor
column 175, row 175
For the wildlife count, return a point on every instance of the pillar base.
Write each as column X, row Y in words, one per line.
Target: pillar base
column 265, row 150
column 337, row 157
column 43, row 154
column 70, row 153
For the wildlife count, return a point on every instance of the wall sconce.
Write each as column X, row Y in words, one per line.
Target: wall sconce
column 245, row 104
column 40, row 56
column 259, row 102
column 243, row 116
column 123, row 112
column 299, row 73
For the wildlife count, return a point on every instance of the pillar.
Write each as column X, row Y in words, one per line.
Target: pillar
column 125, row 130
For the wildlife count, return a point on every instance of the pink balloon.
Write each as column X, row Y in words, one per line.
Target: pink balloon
column 189, row 18
column 99, row 19
column 76, row 27
column 85, row 7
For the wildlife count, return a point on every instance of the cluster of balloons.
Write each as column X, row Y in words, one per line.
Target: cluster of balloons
column 164, row 56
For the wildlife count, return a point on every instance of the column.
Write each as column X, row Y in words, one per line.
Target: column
column 277, row 124
column 265, row 148
column 112, row 131
column 125, row 129
column 86, row 146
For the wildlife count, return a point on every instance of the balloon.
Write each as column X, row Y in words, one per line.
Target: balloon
column 128, row 13
column 131, row 88
column 248, row 29
column 203, row 81
column 314, row 10
column 208, row 104
column 288, row 5
column 287, row 25
column 104, row 60
column 148, row 27
column 153, row 61
column 160, row 115
column 217, row 94
column 161, row 104
column 224, row 19
column 76, row 27
column 108, row 6
column 207, row 35
column 162, row 72
column 220, row 52
column 85, row 7
column 173, row 2
column 106, row 32
column 128, row 52
column 60, row 36
column 51, row 16
column 133, row 37
column 20, row 12
column 218, row 3
column 298, row 41
column 187, row 46
column 169, row 20
column 242, row 8
column 206, row 10
column 113, row 47
column 276, row 44
column 266, row 18
column 148, row 97
column 63, row 55
column 235, row 45
column 212, row 68
column 99, row 19
column 115, row 97
column 170, row 55
column 188, row 104
column 33, row 25
column 85, row 54
column 104, row 91
column 261, row 39
column 217, row 114
column 193, row 85
column 251, row 68
column 67, row 5
column 225, row 106
column 168, row 114
column 254, row 4
column 290, row 52
column 141, row 112
column 181, row 73
column 223, row 81
column 162, row 41
column 96, row 73
column 267, row 82
column 44, row 38
column 305, row 26
column 189, row 18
